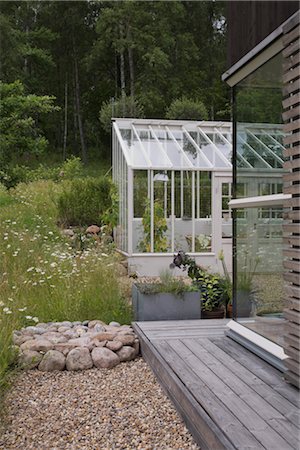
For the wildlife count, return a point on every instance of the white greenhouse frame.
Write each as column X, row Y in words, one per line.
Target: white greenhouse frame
column 164, row 148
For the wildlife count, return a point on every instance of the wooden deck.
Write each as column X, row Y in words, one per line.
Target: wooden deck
column 228, row 397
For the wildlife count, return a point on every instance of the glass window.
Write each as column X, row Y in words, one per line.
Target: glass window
column 258, row 281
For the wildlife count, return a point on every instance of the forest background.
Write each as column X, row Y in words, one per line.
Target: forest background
column 67, row 66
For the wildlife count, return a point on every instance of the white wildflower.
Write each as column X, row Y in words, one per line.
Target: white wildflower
column 30, row 269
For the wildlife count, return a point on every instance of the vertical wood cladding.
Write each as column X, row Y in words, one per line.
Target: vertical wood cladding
column 291, row 229
column 249, row 22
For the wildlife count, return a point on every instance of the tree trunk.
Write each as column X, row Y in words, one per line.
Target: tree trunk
column 131, row 63
column 66, row 121
column 122, row 72
column 78, row 107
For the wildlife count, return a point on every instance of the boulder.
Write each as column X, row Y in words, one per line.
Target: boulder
column 114, row 345
column 114, row 324
column 30, row 359
column 19, row 340
column 126, row 339
column 126, row 353
column 79, row 359
column 104, row 336
column 53, row 360
column 81, row 342
column 37, row 345
column 92, row 323
column 92, row 229
column 104, row 358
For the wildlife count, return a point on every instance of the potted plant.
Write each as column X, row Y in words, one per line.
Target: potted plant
column 168, row 299
column 245, row 289
column 211, row 286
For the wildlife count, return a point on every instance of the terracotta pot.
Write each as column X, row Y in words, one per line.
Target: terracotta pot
column 215, row 314
column 229, row 311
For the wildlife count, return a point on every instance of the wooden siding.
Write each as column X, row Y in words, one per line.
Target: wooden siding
column 249, row 22
column 228, row 397
column 291, row 229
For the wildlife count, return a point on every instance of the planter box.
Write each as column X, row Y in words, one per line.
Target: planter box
column 165, row 306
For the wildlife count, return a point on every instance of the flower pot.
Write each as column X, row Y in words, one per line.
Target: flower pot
column 229, row 311
column 244, row 303
column 215, row 314
column 165, row 306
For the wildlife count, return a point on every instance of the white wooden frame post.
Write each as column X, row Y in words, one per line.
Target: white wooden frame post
column 172, row 212
column 130, row 209
column 151, row 212
column 193, row 211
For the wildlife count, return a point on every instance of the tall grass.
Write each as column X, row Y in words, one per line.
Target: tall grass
column 43, row 277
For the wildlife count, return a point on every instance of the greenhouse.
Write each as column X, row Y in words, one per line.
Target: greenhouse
column 174, row 185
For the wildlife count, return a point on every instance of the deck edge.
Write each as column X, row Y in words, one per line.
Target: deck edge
column 205, row 432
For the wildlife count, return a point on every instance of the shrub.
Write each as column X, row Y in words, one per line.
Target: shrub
column 84, row 201
column 187, row 109
column 72, row 168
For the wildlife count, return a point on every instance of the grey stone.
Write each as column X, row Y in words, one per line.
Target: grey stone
column 99, row 328
column 30, row 359
column 114, row 324
column 104, row 358
column 126, row 339
column 71, row 334
column 82, row 342
column 114, row 345
column 79, row 359
column 19, row 340
column 126, row 353
column 37, row 345
column 85, row 322
column 67, row 323
column 104, row 336
column 59, row 339
column 36, row 330
column 62, row 329
column 92, row 323
column 76, row 323
column 53, row 360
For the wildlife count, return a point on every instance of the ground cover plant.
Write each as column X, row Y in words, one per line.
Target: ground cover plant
column 43, row 275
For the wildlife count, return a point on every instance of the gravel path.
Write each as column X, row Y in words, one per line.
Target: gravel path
column 122, row 408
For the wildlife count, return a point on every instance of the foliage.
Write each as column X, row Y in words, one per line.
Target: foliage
column 160, row 227
column 84, row 201
column 227, row 279
column 247, row 265
column 42, row 277
column 122, row 107
column 71, row 168
column 110, row 216
column 187, row 109
column 140, row 49
column 212, row 286
column 19, row 112
column 166, row 284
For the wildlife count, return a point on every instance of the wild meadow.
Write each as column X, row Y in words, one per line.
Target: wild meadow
column 44, row 275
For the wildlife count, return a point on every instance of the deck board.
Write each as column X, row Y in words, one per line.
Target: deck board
column 228, row 397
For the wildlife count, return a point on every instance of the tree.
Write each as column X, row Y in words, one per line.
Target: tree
column 19, row 121
column 122, row 107
column 187, row 109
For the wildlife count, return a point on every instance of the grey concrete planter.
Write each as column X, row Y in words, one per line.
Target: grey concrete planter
column 165, row 306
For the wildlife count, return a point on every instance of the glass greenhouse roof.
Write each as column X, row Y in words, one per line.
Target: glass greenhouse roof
column 188, row 145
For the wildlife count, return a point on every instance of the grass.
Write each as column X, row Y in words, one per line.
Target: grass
column 43, row 276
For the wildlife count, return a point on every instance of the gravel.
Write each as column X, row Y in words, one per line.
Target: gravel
column 122, row 408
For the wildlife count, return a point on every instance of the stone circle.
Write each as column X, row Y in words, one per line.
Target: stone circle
column 75, row 345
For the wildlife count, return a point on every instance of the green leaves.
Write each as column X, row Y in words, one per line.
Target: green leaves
column 19, row 114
